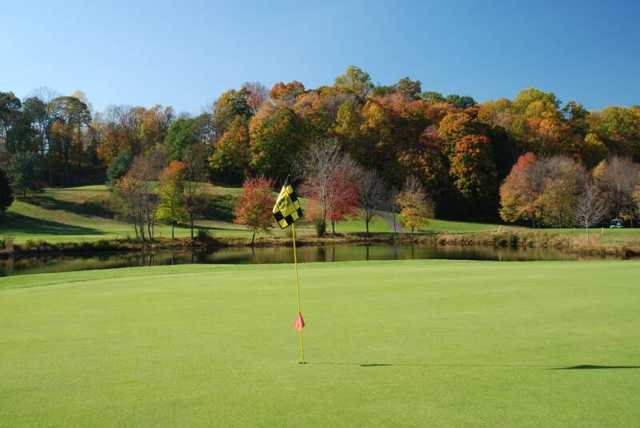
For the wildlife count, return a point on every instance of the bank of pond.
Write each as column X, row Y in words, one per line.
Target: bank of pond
column 279, row 254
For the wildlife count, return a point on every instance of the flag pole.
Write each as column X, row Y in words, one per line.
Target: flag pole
column 295, row 267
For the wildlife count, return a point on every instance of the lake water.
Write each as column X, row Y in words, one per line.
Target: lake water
column 244, row 255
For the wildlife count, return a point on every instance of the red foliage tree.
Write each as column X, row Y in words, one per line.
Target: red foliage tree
column 343, row 195
column 253, row 207
column 518, row 193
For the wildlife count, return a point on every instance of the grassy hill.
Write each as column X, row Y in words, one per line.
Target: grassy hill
column 404, row 343
column 81, row 213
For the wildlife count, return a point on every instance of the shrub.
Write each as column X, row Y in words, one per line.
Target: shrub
column 203, row 235
column 321, row 227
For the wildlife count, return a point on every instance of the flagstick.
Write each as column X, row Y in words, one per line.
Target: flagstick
column 295, row 267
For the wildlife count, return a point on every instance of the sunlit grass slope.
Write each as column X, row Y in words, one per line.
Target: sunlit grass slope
column 76, row 214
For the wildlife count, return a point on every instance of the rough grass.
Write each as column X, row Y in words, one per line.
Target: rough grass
column 404, row 343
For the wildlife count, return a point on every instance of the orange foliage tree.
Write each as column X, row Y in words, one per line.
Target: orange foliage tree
column 254, row 205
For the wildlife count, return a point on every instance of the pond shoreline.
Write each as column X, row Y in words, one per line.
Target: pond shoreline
column 557, row 241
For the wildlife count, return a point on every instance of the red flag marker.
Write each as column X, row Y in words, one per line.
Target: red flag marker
column 299, row 324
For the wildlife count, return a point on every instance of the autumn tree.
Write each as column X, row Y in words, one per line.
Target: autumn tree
column 277, row 138
column 171, row 207
column 545, row 191
column 330, row 179
column 344, row 193
column 119, row 130
column 563, row 184
column 636, row 199
column 256, row 94
column 616, row 179
column 253, row 207
column 518, row 193
column 196, row 176
column 138, row 201
column 619, row 129
column 6, row 194
column 231, row 157
column 415, row 208
column 591, row 208
column 371, row 196
column 228, row 106
column 287, row 92
column 473, row 168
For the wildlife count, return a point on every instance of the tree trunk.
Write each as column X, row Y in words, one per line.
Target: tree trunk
column 191, row 223
column 333, row 227
column 366, row 222
column 253, row 238
column 173, row 228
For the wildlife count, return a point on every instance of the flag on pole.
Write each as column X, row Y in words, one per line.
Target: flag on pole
column 287, row 209
column 286, row 212
column 299, row 324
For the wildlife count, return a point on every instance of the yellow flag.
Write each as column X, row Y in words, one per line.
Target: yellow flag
column 287, row 209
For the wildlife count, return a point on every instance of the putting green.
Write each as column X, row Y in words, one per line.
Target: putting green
column 399, row 343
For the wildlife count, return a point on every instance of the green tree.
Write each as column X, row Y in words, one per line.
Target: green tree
column 196, row 174
column 69, row 117
column 434, row 97
column 277, row 138
column 355, row 81
column 182, row 133
column 461, row 101
column 6, row 194
column 118, row 167
column 411, row 89
column 9, row 111
column 230, row 104
column 24, row 171
column 171, row 208
column 619, row 128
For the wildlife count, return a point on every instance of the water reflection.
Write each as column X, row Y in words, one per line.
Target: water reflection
column 246, row 255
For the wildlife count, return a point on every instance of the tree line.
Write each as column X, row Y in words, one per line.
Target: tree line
column 459, row 151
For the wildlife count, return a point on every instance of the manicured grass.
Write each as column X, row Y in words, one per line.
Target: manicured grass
column 69, row 215
column 459, row 226
column 73, row 214
column 402, row 343
column 66, row 215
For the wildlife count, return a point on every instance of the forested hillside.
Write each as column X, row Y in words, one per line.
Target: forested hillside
column 460, row 150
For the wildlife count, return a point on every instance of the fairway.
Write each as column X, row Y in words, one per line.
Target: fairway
column 398, row 343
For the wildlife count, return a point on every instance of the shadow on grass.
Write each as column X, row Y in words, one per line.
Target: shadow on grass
column 18, row 223
column 595, row 367
column 480, row 366
column 91, row 208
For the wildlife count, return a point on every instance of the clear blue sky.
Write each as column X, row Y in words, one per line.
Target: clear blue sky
column 185, row 53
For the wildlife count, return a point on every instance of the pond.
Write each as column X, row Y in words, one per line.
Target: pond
column 246, row 255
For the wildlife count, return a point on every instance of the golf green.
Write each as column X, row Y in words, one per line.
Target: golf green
column 399, row 343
